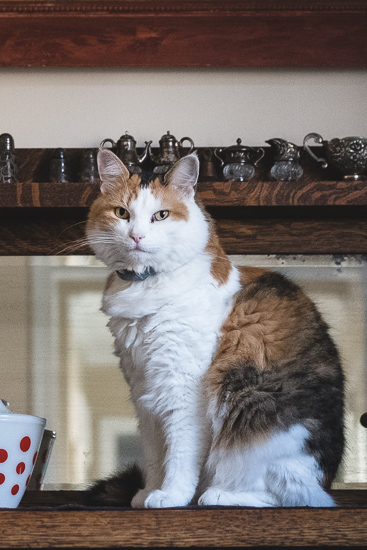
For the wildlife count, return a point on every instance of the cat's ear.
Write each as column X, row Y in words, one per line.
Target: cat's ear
column 183, row 176
column 111, row 170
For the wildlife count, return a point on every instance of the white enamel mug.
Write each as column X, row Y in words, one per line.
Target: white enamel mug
column 20, row 440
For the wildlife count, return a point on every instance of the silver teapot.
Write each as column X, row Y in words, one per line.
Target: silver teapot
column 286, row 156
column 348, row 155
column 170, row 152
column 126, row 151
column 239, row 161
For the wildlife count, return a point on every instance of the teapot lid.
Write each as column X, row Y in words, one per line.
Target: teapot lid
column 168, row 137
column 127, row 137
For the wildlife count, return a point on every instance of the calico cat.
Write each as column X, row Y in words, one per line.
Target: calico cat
column 236, row 383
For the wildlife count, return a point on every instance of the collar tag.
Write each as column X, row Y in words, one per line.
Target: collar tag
column 127, row 275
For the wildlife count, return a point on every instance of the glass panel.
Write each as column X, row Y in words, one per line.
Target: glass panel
column 57, row 357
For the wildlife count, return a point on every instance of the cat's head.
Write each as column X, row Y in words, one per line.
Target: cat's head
column 139, row 221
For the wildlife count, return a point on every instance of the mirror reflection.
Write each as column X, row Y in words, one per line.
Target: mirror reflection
column 57, row 357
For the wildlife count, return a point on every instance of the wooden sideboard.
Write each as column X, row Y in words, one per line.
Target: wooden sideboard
column 319, row 214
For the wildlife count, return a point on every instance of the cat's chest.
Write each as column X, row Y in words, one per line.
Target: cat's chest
column 183, row 332
column 174, row 323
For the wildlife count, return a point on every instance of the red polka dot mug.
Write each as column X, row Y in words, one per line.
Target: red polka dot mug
column 20, row 440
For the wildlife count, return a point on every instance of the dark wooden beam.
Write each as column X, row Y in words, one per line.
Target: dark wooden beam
column 52, row 231
column 202, row 33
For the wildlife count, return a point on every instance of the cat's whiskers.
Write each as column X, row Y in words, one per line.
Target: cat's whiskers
column 81, row 243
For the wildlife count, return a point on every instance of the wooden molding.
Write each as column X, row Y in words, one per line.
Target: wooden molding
column 231, row 34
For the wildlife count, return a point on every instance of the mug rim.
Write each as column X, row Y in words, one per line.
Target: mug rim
column 25, row 418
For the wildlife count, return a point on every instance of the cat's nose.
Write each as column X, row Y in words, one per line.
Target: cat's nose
column 136, row 237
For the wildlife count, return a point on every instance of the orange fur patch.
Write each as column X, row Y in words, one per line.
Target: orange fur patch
column 264, row 328
column 170, row 200
column 220, row 266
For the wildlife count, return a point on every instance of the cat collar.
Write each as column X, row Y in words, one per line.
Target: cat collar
column 127, row 275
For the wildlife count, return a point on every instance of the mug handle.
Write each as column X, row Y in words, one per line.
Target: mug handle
column 318, row 139
column 259, row 150
column 107, row 140
column 187, row 139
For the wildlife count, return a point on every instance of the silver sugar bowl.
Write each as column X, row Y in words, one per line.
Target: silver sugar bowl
column 239, row 161
column 348, row 155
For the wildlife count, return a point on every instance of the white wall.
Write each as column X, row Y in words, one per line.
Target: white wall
column 78, row 108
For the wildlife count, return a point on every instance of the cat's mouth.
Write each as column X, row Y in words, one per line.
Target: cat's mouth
column 139, row 249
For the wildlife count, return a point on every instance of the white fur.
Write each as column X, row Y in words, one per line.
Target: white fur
column 272, row 472
column 166, row 332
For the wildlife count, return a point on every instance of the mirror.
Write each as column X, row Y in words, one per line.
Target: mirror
column 57, row 357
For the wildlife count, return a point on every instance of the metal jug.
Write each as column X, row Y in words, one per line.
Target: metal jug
column 126, row 151
column 286, row 156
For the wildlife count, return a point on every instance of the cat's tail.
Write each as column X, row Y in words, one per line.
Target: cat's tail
column 117, row 490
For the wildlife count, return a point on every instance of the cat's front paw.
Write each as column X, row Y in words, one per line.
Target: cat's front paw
column 162, row 499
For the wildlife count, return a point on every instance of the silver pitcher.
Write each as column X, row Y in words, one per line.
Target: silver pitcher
column 126, row 151
column 286, row 165
column 348, row 155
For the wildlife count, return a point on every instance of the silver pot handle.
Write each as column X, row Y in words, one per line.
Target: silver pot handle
column 187, row 139
column 260, row 151
column 108, row 140
column 217, row 152
column 318, row 139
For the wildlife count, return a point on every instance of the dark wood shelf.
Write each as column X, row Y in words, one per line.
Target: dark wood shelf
column 317, row 187
column 59, row 519
column 215, row 193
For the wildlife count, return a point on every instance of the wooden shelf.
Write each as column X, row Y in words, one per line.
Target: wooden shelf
column 317, row 187
column 216, row 193
column 59, row 519
column 318, row 214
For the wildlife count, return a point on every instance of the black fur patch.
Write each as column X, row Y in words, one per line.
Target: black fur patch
column 278, row 285
column 118, row 490
column 259, row 402
column 147, row 178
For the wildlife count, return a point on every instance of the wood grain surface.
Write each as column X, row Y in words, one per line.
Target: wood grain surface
column 225, row 527
column 160, row 33
column 317, row 187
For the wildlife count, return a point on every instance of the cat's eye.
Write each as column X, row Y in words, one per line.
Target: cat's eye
column 161, row 215
column 122, row 213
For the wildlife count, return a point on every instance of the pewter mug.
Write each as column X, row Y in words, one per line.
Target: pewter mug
column 239, row 161
column 126, row 151
column 348, row 155
column 170, row 152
